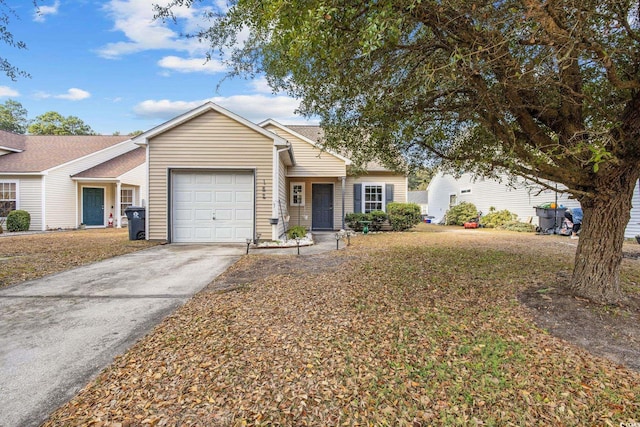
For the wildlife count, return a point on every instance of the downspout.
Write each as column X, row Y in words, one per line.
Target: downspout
column 275, row 198
column 343, row 179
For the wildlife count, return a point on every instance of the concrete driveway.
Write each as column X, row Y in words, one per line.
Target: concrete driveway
column 58, row 332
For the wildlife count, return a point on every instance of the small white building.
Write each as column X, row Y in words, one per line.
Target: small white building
column 446, row 191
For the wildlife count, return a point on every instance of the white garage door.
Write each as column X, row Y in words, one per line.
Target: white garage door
column 212, row 206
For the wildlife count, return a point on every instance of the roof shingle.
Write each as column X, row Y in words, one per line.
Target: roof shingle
column 42, row 152
column 116, row 166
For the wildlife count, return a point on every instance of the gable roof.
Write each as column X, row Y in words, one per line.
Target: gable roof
column 309, row 133
column 117, row 166
column 42, row 152
column 143, row 138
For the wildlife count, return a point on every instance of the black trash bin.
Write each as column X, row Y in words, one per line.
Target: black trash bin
column 136, row 219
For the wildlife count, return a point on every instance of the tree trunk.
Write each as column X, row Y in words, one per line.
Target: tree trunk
column 596, row 273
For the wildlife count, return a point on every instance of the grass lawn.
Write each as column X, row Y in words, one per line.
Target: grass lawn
column 400, row 329
column 26, row 257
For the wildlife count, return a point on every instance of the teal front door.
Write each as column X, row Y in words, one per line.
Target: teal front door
column 93, row 206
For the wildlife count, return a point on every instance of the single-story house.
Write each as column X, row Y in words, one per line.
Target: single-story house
column 420, row 198
column 446, row 191
column 214, row 176
column 64, row 181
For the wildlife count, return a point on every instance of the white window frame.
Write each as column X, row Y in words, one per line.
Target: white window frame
column 122, row 203
column 17, row 199
column 293, row 193
column 364, row 196
column 453, row 199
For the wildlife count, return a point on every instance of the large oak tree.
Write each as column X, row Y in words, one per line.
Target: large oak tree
column 546, row 90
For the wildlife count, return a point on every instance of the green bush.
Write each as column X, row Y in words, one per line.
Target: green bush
column 498, row 218
column 18, row 220
column 403, row 216
column 518, row 226
column 296, row 231
column 353, row 220
column 377, row 218
column 461, row 213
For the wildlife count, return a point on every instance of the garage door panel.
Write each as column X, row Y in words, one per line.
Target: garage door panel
column 203, row 196
column 199, row 196
column 224, row 214
column 244, row 214
column 245, row 179
column 224, row 179
column 183, row 196
column 183, row 215
column 224, row 196
column 244, row 196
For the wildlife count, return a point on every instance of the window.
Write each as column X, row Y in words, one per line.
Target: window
column 8, row 198
column 126, row 199
column 373, row 197
column 297, row 194
column 465, row 190
column 453, row 199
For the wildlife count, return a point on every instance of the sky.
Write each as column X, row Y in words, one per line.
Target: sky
column 110, row 64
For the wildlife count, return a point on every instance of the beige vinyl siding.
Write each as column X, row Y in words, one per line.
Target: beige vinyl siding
column 209, row 141
column 310, row 160
column 399, row 187
column 29, row 197
column 61, row 189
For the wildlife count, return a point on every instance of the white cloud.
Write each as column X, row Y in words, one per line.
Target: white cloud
column 42, row 12
column 260, row 85
column 7, row 91
column 73, row 94
column 255, row 107
column 134, row 18
column 192, row 65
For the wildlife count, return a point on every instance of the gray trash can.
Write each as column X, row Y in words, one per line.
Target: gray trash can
column 136, row 219
column 550, row 219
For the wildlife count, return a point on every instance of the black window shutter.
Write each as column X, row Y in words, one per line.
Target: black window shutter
column 357, row 198
column 388, row 194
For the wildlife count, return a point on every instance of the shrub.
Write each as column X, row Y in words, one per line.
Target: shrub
column 461, row 213
column 18, row 220
column 498, row 218
column 353, row 220
column 403, row 216
column 518, row 226
column 296, row 231
column 377, row 219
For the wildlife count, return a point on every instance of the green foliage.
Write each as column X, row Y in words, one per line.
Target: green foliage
column 461, row 213
column 518, row 226
column 296, row 231
column 53, row 123
column 353, row 220
column 377, row 218
column 403, row 216
column 13, row 117
column 18, row 220
column 497, row 218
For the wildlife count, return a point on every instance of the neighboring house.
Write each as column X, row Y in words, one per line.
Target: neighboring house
column 420, row 198
column 446, row 191
column 217, row 177
column 64, row 181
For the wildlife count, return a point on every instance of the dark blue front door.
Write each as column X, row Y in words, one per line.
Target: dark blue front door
column 93, row 206
column 322, row 209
